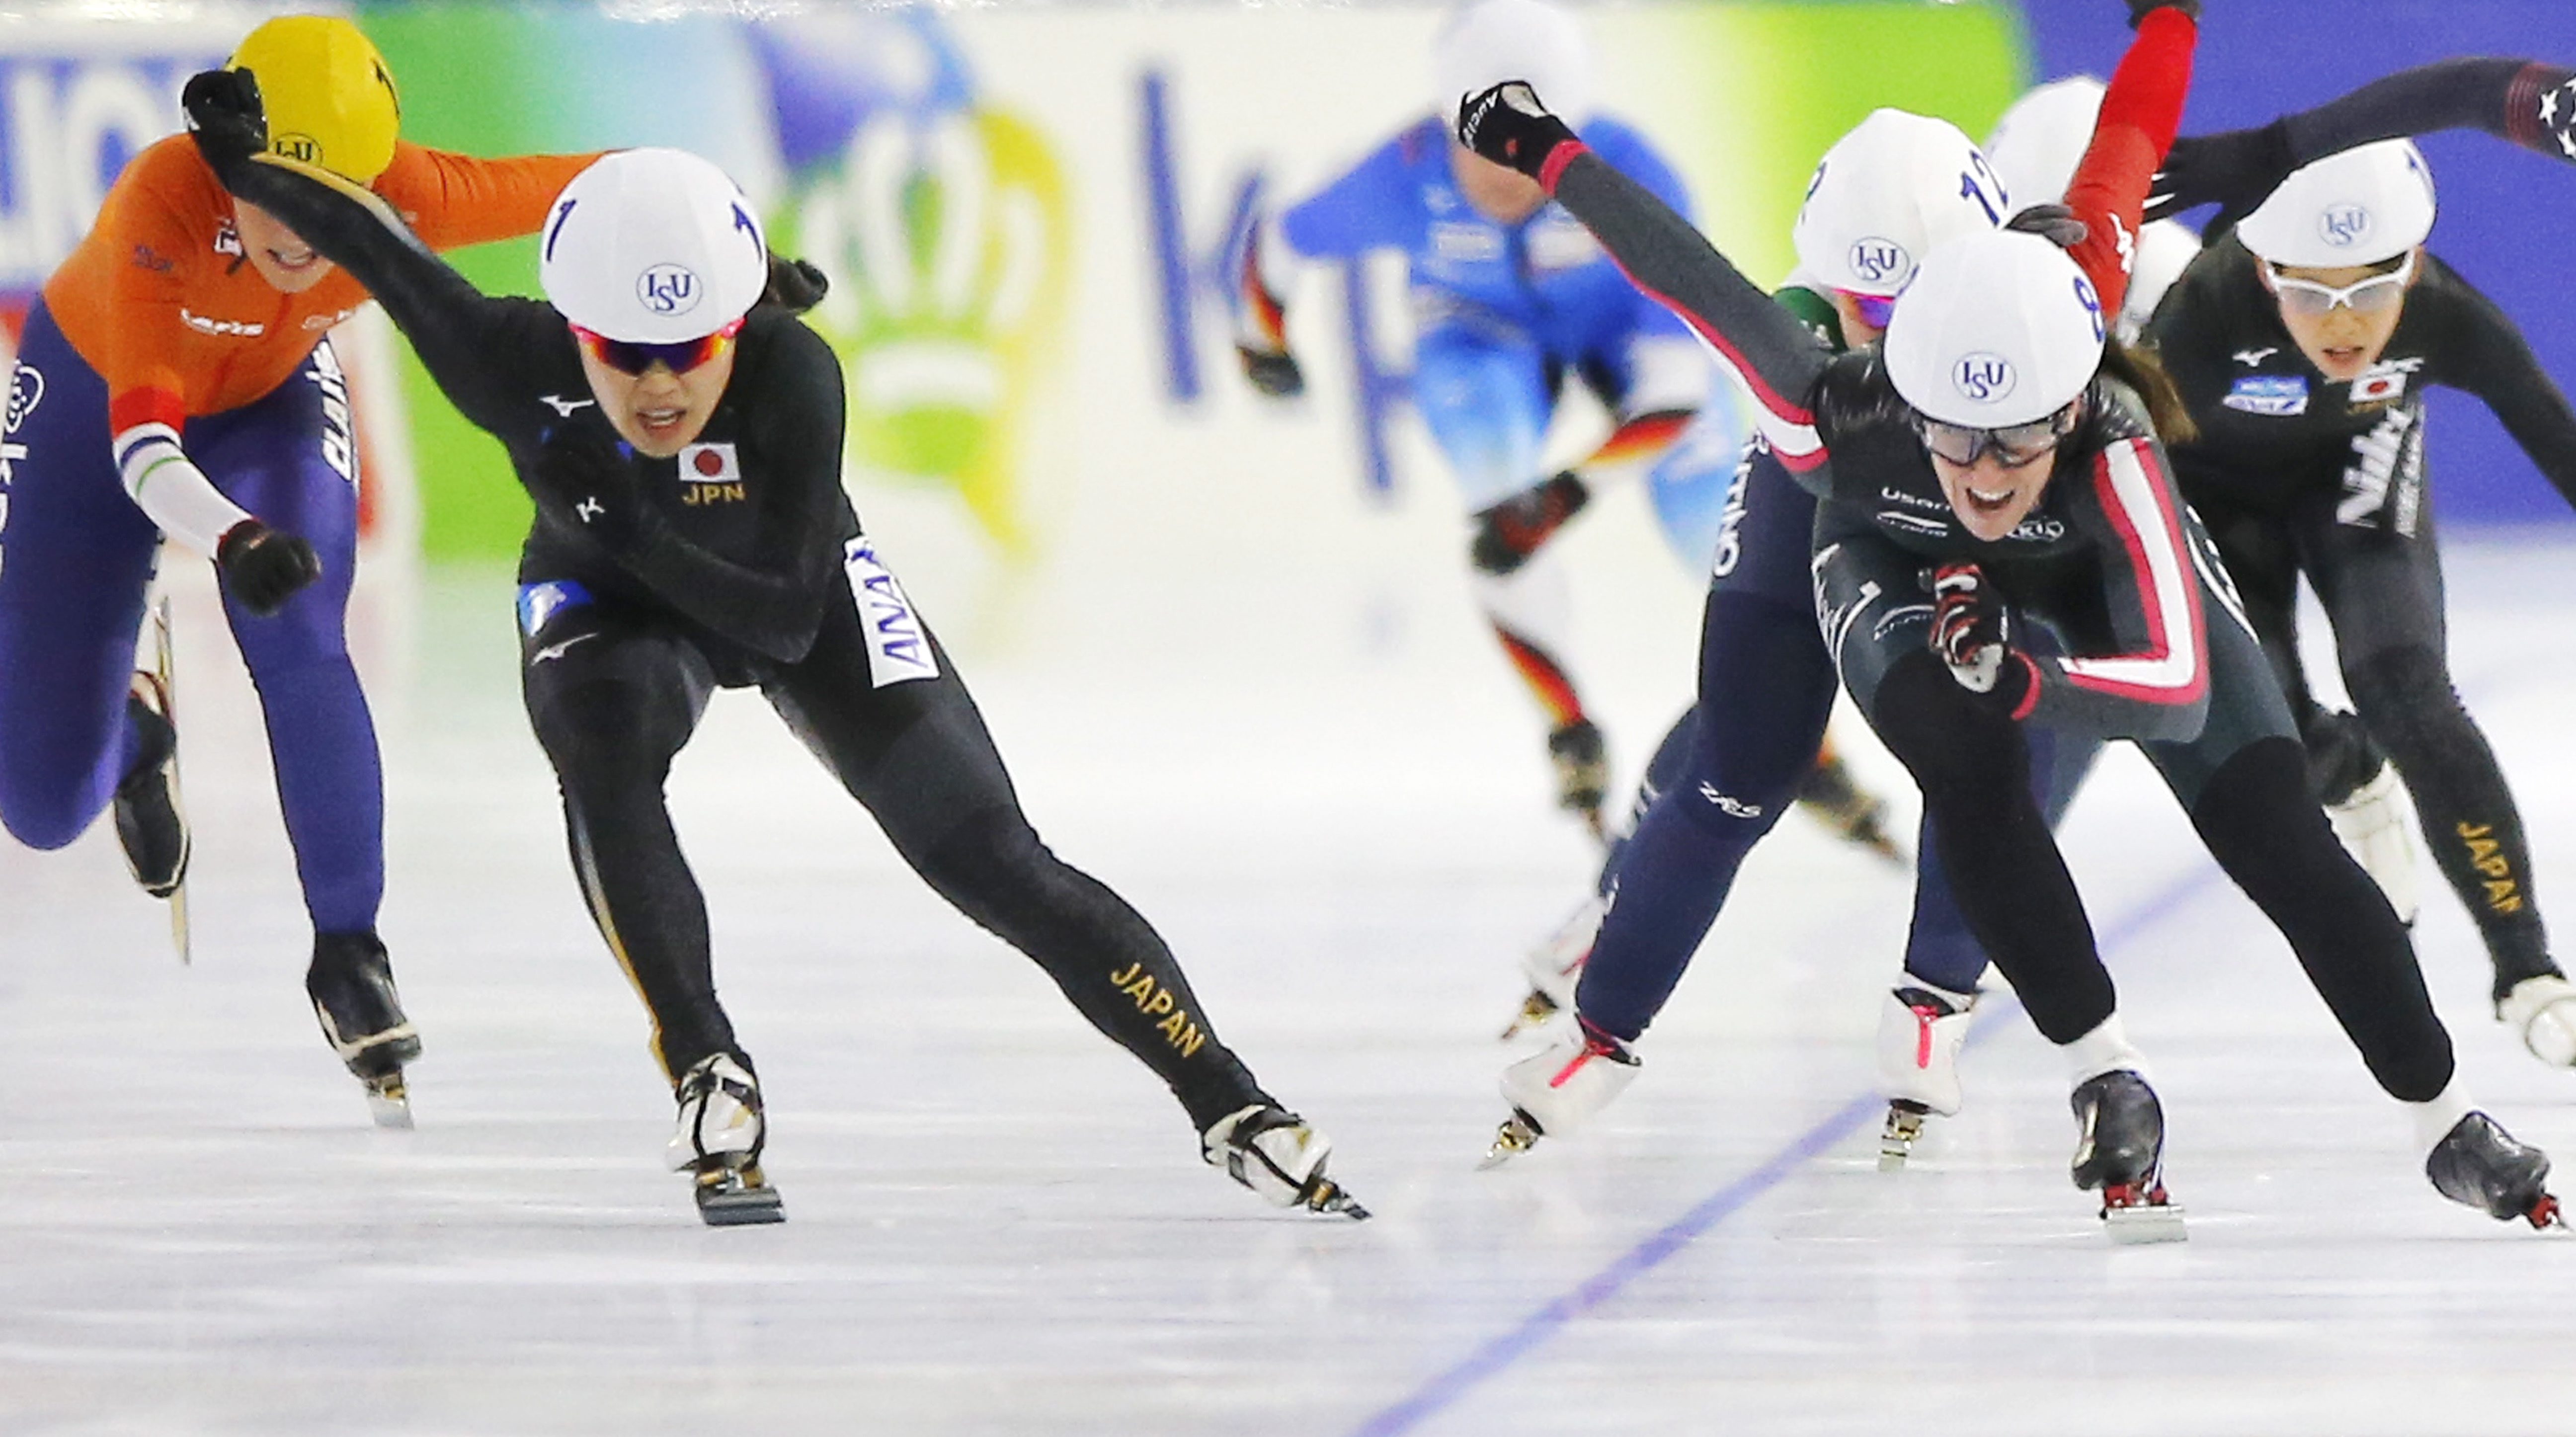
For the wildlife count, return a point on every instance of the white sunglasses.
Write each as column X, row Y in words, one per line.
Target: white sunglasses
column 2374, row 295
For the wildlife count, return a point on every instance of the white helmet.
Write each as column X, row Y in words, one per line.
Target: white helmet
column 652, row 247
column 1888, row 193
column 1998, row 328
column 1483, row 43
column 2041, row 139
column 2359, row 206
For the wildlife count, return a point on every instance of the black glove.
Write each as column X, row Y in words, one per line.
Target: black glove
column 794, row 285
column 1510, row 532
column 2342, row 756
column 1507, row 125
column 225, row 117
column 263, row 567
column 2054, row 223
column 1276, row 375
column 2140, row 9
column 2235, row 170
column 1967, row 626
column 583, row 481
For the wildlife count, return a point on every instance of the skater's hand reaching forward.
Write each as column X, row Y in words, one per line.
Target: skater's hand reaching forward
column 1509, row 126
column 225, row 117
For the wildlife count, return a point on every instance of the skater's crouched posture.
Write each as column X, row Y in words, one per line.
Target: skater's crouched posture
column 1995, row 473
column 175, row 383
column 682, row 441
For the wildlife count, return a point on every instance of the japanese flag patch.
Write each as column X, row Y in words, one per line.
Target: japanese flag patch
column 898, row 646
column 709, row 464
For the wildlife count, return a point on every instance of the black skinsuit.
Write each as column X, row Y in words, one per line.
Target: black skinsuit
column 2297, row 474
column 743, row 564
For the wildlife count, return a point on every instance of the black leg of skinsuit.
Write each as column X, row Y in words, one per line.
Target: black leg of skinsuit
column 917, row 755
column 2383, row 593
column 612, row 701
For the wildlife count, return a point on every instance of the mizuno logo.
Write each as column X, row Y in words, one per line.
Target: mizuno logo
column 563, row 407
column 556, row 651
column 2251, row 357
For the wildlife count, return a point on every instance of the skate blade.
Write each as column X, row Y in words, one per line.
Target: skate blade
column 179, row 924
column 1536, row 1010
column 1327, row 1196
column 737, row 1197
column 2131, row 1218
column 388, row 1100
column 1896, row 1140
column 1516, row 1136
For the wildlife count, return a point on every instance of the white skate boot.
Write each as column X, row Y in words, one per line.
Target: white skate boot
column 2372, row 824
column 1556, row 965
column 1279, row 1155
column 719, row 1139
column 1555, row 1091
column 2543, row 1011
column 1920, row 1029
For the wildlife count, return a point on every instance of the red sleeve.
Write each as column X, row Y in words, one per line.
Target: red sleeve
column 2141, row 112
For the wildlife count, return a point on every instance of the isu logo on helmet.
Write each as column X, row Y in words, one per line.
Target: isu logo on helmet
column 668, row 289
column 1879, row 260
column 1983, row 378
column 2344, row 226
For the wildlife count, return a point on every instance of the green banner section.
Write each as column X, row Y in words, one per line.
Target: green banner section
column 1749, row 96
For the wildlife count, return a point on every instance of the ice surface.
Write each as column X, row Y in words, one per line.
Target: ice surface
column 1330, row 799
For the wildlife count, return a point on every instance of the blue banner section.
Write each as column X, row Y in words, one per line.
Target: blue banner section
column 2503, row 209
column 1171, row 248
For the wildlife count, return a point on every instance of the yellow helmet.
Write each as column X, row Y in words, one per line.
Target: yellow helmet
column 329, row 97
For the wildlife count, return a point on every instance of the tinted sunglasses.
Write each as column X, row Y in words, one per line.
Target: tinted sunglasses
column 2375, row 295
column 628, row 356
column 2012, row 445
column 1875, row 309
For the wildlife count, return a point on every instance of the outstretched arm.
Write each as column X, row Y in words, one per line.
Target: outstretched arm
column 1673, row 263
column 450, row 323
column 2497, row 365
column 2530, row 102
column 2141, row 110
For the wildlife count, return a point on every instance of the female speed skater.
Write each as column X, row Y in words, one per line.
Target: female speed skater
column 175, row 381
column 1516, row 306
column 1966, row 595
column 2304, row 345
column 692, row 534
column 1884, row 194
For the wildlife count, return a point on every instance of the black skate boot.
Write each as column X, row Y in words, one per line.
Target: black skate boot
column 2120, row 1149
column 150, row 824
column 351, row 983
column 1836, row 800
column 722, row 1131
column 1582, row 771
column 2478, row 1164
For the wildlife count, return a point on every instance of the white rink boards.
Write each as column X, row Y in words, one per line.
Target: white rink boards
column 1325, row 792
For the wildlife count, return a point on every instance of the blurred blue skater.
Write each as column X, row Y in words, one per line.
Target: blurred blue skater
column 1515, row 308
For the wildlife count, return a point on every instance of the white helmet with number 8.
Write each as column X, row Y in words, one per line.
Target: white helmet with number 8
column 652, row 247
column 1890, row 191
column 1997, row 329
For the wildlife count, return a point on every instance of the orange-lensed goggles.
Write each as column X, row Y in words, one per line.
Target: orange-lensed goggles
column 628, row 356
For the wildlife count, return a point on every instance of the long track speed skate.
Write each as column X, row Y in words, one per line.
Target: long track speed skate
column 2121, row 1151
column 1555, row 1091
column 1280, row 1156
column 722, row 1130
column 1920, row 1030
column 1555, row 966
column 151, row 822
column 351, row 984
column 2480, row 1165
